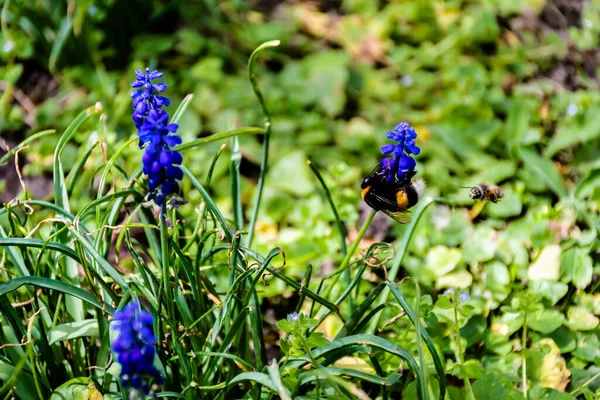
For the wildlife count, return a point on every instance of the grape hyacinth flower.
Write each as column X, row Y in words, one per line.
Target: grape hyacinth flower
column 133, row 345
column 402, row 151
column 156, row 135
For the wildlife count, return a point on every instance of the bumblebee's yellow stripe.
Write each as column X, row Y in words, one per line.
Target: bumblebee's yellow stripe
column 402, row 200
column 364, row 192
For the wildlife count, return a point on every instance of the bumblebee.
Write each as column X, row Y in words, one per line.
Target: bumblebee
column 486, row 193
column 393, row 198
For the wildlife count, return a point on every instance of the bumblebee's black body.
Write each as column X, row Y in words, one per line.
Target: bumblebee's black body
column 393, row 198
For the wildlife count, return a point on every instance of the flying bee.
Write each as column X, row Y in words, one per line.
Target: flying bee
column 393, row 198
column 486, row 192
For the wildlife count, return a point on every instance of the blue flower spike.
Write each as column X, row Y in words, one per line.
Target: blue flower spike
column 133, row 343
column 156, row 135
column 401, row 160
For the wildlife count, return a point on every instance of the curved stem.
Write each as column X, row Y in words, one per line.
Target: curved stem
column 265, row 151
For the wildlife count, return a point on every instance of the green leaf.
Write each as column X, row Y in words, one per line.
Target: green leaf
column 544, row 168
column 564, row 339
column 510, row 206
column 588, row 347
column 458, row 279
column 495, row 386
column 77, row 389
column 471, row 369
column 72, row 330
column 517, row 123
column 440, row 260
column 576, row 267
column 497, row 280
column 480, row 246
column 545, row 321
column 580, row 319
column 285, row 325
column 547, row 265
column 588, row 184
column 553, row 291
column 568, row 134
column 291, row 174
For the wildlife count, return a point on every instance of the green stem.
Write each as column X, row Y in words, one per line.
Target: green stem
column 164, row 247
column 524, row 347
column 265, row 151
column 459, row 355
column 351, row 252
column 592, row 379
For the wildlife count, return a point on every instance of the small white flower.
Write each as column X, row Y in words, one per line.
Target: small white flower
column 588, row 23
column 406, row 81
column 572, row 109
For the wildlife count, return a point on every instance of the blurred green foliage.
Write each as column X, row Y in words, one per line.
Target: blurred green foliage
column 501, row 92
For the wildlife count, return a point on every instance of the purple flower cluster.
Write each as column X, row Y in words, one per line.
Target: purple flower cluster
column 155, row 133
column 401, row 161
column 133, row 345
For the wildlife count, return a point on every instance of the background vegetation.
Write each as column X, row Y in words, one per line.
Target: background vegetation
column 502, row 92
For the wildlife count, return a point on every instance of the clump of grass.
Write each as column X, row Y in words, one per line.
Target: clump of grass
column 63, row 288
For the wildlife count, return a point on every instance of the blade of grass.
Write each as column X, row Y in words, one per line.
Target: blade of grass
column 62, row 36
column 25, row 142
column 105, row 265
column 357, row 315
column 338, row 221
column 289, row 281
column 183, row 106
column 219, row 136
column 234, row 175
column 59, row 286
column 209, row 202
column 414, row 318
column 257, row 377
column 346, row 260
column 78, row 167
column 361, row 340
column 74, row 305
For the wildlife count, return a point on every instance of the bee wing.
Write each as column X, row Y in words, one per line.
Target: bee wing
column 401, row 216
column 375, row 172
